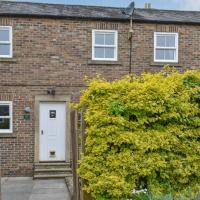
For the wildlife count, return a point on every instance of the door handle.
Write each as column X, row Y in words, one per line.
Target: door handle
column 42, row 132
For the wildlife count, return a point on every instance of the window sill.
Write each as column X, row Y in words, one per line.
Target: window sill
column 101, row 62
column 8, row 60
column 7, row 135
column 159, row 64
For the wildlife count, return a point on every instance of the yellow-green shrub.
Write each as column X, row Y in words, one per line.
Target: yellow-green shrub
column 142, row 132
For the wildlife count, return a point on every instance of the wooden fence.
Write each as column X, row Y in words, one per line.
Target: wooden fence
column 77, row 148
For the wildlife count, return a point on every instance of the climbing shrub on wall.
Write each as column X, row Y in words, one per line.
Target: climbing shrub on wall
column 142, row 132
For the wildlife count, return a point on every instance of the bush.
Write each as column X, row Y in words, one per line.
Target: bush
column 142, row 132
column 187, row 196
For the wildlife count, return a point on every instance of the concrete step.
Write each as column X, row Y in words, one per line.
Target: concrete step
column 52, row 165
column 53, row 170
column 48, row 176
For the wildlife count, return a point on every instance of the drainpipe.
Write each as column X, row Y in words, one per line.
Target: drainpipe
column 130, row 37
column 129, row 11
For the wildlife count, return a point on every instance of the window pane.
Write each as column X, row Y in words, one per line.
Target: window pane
column 99, row 52
column 99, row 38
column 5, row 49
column 110, row 39
column 160, row 41
column 170, row 41
column 160, row 54
column 4, row 123
column 170, row 54
column 4, row 35
column 109, row 52
column 4, row 110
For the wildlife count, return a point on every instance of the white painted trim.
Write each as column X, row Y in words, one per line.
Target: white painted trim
column 112, row 46
column 175, row 48
column 8, row 42
column 50, row 98
column 10, row 116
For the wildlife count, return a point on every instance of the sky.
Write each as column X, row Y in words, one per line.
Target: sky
column 160, row 4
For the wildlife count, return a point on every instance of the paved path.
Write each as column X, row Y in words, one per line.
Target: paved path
column 27, row 189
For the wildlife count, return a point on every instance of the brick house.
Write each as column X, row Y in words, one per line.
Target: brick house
column 47, row 49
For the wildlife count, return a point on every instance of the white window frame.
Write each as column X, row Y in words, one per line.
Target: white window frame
column 115, row 46
column 9, row 28
column 10, row 104
column 157, row 47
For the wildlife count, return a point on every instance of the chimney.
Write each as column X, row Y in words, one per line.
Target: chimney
column 147, row 5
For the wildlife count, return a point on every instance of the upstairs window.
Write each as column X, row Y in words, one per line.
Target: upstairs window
column 165, row 47
column 5, row 117
column 104, row 45
column 5, row 41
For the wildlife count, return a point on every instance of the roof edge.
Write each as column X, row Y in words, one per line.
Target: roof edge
column 53, row 4
column 99, row 19
column 61, row 17
column 112, row 7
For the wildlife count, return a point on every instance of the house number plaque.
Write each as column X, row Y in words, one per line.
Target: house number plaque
column 52, row 114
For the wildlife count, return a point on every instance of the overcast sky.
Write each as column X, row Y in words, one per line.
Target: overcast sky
column 162, row 4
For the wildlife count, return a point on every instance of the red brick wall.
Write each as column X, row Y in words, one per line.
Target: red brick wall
column 55, row 52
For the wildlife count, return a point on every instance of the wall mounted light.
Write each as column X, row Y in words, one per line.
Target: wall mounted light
column 27, row 113
column 27, row 109
column 51, row 91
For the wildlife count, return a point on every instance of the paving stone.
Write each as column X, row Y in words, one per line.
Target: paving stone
column 50, row 191
column 48, row 196
column 51, row 184
column 22, row 189
column 15, row 196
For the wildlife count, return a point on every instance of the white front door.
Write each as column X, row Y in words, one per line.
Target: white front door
column 52, row 131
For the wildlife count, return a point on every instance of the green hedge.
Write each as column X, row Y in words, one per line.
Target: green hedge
column 142, row 132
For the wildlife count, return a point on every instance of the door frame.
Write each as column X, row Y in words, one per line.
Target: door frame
column 49, row 98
